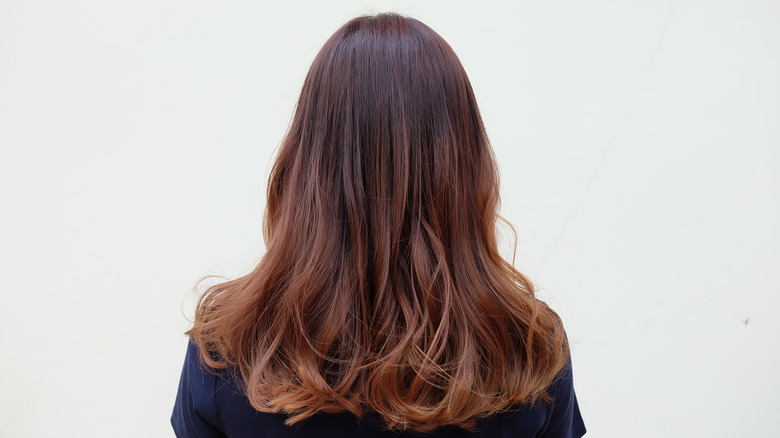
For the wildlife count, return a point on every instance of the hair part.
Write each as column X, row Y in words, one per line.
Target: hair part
column 382, row 289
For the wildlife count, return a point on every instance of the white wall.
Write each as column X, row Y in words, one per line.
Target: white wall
column 639, row 143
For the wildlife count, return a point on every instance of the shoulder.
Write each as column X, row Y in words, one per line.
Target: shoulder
column 194, row 412
column 563, row 418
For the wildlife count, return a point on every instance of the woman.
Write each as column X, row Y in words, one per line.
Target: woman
column 381, row 306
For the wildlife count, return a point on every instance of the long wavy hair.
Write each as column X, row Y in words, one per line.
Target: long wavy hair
column 381, row 289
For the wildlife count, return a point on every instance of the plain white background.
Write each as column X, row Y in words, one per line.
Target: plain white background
column 639, row 144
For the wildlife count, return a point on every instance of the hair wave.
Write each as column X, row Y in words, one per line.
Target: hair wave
column 381, row 289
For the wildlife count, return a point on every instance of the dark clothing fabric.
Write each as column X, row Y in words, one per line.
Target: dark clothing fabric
column 209, row 406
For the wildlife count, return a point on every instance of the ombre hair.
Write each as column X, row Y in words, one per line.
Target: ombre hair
column 381, row 289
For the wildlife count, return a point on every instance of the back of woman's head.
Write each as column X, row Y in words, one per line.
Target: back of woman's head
column 382, row 289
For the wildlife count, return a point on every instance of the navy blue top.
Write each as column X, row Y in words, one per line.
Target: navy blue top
column 209, row 406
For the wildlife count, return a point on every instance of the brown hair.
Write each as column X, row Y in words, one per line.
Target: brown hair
column 381, row 289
